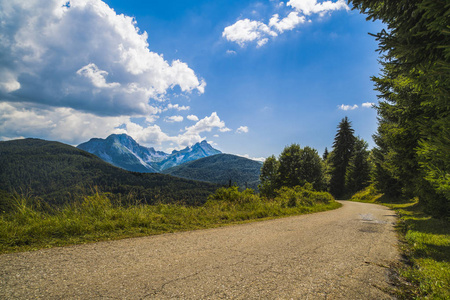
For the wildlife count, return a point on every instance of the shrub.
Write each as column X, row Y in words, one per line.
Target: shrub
column 303, row 196
column 369, row 194
column 232, row 195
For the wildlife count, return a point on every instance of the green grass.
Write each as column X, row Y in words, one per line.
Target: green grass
column 30, row 226
column 426, row 248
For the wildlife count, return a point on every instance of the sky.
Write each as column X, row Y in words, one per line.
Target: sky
column 250, row 77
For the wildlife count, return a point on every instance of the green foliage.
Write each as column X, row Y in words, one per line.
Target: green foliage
column 368, row 194
column 290, row 164
column 60, row 173
column 295, row 167
column 413, row 136
column 357, row 175
column 233, row 195
column 426, row 247
column 302, row 196
column 30, row 226
column 325, row 154
column 220, row 169
column 268, row 177
column 343, row 147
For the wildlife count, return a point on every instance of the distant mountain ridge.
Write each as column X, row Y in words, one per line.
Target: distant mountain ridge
column 221, row 169
column 124, row 152
column 59, row 173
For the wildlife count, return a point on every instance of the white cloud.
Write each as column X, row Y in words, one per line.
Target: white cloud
column 84, row 57
column 224, row 129
column 62, row 124
column 173, row 119
column 246, row 31
column 177, row 107
column 347, row 107
column 97, row 76
column 216, row 135
column 231, row 52
column 367, row 104
column 262, row 42
column 242, row 129
column 309, row 7
column 288, row 23
column 261, row 159
column 192, row 117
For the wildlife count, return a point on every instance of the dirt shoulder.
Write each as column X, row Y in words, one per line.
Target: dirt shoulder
column 339, row 254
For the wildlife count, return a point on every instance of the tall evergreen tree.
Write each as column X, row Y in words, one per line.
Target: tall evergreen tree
column 325, row 154
column 358, row 171
column 343, row 145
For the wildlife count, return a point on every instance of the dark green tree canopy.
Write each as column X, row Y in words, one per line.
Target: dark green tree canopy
column 358, row 171
column 295, row 167
column 268, row 177
column 343, row 146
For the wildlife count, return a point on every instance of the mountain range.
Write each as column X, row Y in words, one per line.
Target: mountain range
column 59, row 173
column 124, row 152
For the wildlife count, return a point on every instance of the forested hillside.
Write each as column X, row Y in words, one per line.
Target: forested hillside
column 61, row 173
column 221, row 169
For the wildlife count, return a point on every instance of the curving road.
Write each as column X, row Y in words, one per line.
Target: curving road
column 340, row 254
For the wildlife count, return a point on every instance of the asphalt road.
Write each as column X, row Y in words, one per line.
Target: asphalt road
column 339, row 254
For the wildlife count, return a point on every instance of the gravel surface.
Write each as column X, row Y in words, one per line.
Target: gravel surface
column 339, row 254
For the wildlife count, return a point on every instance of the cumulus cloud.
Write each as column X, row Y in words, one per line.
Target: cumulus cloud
column 192, row 117
column 173, row 119
column 83, row 56
column 367, row 104
column 242, row 129
column 309, row 7
column 246, row 31
column 177, row 107
column 347, row 107
column 288, row 23
column 76, row 70
column 62, row 124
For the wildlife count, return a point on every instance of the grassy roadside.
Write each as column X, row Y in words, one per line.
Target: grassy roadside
column 30, row 227
column 425, row 245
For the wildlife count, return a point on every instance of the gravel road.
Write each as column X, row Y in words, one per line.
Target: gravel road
column 339, row 254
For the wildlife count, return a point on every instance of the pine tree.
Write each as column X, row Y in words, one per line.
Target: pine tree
column 325, row 154
column 342, row 152
column 358, row 171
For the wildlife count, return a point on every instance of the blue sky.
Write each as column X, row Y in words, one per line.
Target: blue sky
column 249, row 76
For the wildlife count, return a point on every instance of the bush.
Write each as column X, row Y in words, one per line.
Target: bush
column 369, row 194
column 302, row 196
column 232, row 195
